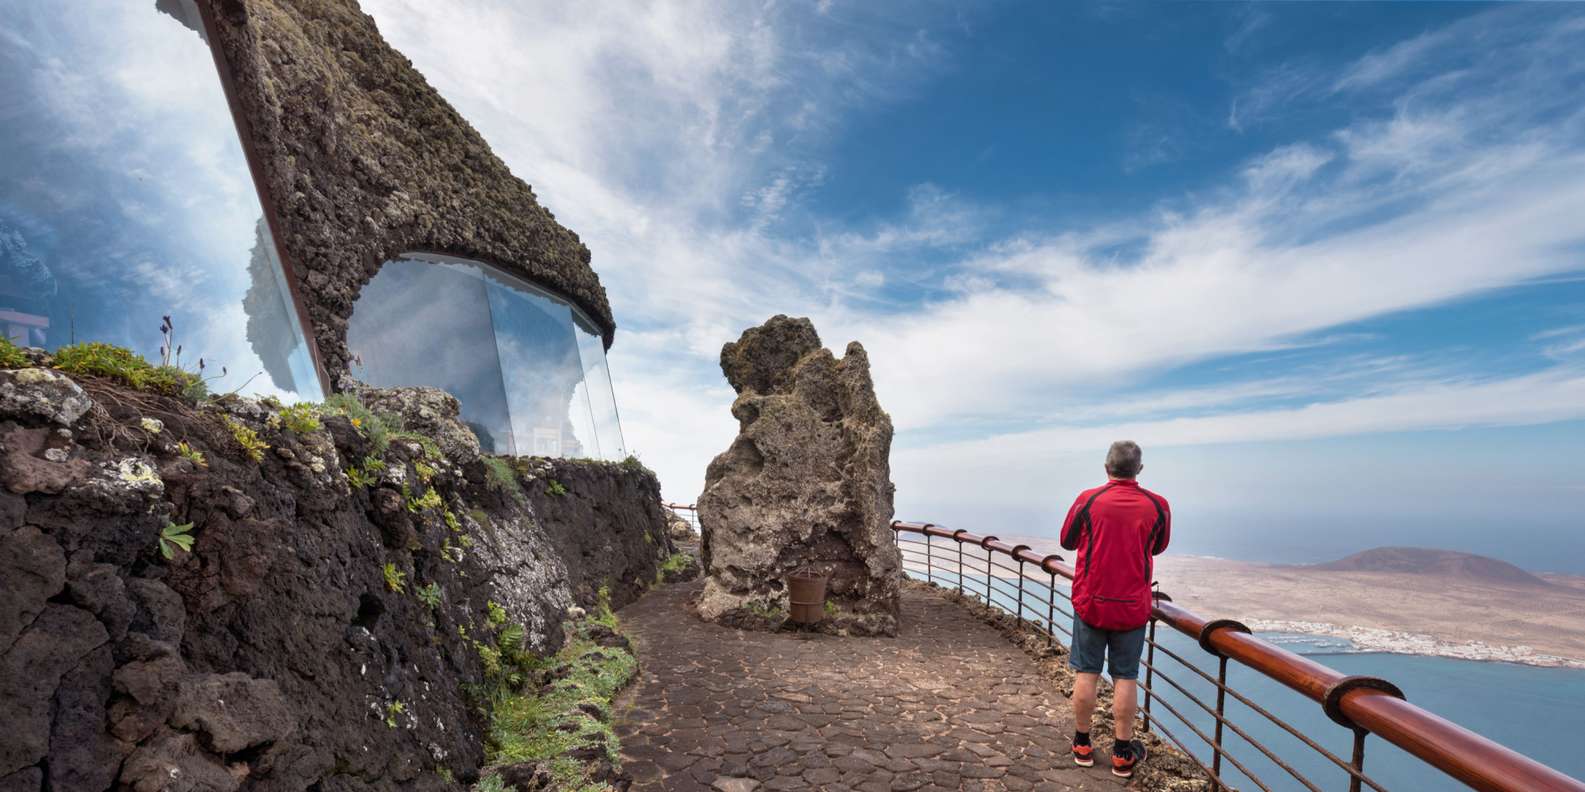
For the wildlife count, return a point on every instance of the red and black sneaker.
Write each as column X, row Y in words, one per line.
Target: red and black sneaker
column 1123, row 763
column 1083, row 755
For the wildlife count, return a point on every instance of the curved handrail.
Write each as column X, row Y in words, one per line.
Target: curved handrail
column 1464, row 755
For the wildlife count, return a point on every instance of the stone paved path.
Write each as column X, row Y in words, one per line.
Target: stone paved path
column 948, row 704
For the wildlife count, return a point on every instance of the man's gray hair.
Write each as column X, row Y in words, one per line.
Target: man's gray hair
column 1124, row 459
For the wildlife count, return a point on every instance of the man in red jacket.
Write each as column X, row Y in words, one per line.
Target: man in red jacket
column 1116, row 528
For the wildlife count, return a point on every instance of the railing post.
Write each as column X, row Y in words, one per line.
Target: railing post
column 1020, row 592
column 1051, row 613
column 960, row 564
column 1221, row 704
column 1150, row 669
column 988, row 575
column 930, row 560
column 1358, row 762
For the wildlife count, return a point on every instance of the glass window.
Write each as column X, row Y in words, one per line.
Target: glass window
column 528, row 368
column 125, row 197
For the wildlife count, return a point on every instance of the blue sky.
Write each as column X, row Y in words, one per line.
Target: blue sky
column 1326, row 262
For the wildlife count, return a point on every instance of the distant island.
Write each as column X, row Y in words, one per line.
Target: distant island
column 1448, row 564
column 1404, row 600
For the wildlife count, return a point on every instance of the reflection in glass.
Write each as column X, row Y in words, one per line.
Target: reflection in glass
column 427, row 322
column 528, row 368
column 124, row 196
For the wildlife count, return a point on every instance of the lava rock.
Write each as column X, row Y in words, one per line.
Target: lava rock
column 39, row 393
column 805, row 487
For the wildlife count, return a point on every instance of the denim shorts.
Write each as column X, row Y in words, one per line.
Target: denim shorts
column 1120, row 650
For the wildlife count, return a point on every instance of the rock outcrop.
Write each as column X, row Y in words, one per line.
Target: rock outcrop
column 806, row 486
column 326, row 626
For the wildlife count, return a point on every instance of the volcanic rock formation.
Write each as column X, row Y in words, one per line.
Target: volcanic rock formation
column 327, row 626
column 806, row 486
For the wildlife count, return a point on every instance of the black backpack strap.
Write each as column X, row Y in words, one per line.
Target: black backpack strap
column 1161, row 520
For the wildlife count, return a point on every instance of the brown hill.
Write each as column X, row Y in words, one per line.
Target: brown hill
column 1426, row 561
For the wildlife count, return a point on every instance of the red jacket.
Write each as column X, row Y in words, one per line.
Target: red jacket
column 1116, row 529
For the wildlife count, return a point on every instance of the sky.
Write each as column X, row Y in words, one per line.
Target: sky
column 1324, row 261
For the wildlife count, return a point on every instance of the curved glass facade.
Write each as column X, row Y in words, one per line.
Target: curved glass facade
column 125, row 197
column 528, row 367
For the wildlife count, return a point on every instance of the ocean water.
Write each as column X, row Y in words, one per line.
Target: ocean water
column 1539, row 711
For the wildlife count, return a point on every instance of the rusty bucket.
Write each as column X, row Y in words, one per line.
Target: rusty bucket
column 807, row 595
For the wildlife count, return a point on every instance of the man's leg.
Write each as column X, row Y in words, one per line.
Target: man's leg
column 1084, row 687
column 1087, row 658
column 1123, row 651
column 1125, row 704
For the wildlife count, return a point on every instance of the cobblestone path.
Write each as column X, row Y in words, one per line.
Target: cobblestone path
column 948, row 704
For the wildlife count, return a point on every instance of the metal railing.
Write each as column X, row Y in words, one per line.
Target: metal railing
column 1363, row 705
column 688, row 512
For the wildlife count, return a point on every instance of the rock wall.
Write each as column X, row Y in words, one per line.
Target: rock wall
column 359, row 159
column 320, row 633
column 806, row 485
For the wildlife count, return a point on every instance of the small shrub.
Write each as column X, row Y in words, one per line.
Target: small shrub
column 248, row 438
column 673, row 564
column 452, row 522
column 359, row 479
column 374, row 427
column 431, row 449
column 555, row 489
column 395, row 579
column 429, row 594
column 499, row 476
column 392, row 710
column 300, row 418
column 175, row 536
column 429, row 500
column 190, row 454
column 11, row 355
column 830, row 608
column 425, row 472
column 495, row 614
column 127, row 367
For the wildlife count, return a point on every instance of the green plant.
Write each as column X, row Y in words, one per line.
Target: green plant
column 830, row 608
column 429, row 500
column 431, row 449
column 248, row 438
column 445, row 774
column 376, row 428
column 555, row 489
column 566, row 715
column 190, row 454
column 673, row 564
column 632, row 463
column 425, row 472
column 429, row 594
column 499, row 476
column 359, row 479
column 392, row 710
column 11, row 355
column 452, row 522
column 301, row 418
column 175, row 536
column 127, row 367
column 395, row 579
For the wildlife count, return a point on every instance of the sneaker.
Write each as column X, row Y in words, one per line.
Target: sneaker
column 1123, row 766
column 1083, row 755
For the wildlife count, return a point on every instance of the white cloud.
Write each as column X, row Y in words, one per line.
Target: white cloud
column 672, row 138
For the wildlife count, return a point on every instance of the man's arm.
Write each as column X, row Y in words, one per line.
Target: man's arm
column 1165, row 536
column 1070, row 531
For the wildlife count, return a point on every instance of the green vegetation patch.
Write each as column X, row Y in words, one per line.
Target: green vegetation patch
column 248, row 438
column 673, row 565
column 499, row 476
column 568, row 712
column 127, row 367
column 11, row 356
